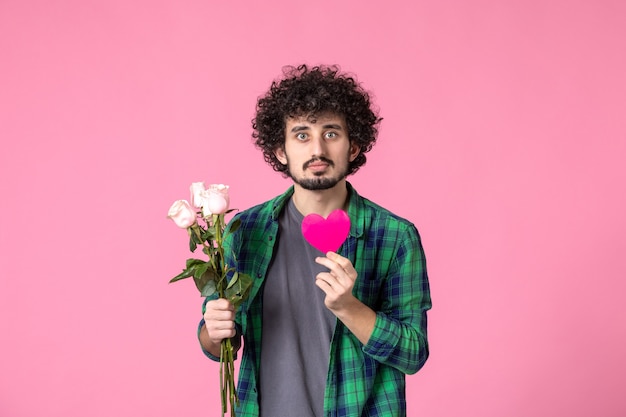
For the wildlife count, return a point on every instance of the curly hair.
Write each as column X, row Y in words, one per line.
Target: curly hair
column 308, row 91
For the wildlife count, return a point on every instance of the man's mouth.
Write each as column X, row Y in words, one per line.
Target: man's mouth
column 318, row 164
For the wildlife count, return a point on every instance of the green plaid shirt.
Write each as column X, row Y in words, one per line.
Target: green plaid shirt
column 386, row 251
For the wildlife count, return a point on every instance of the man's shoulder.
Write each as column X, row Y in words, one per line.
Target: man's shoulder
column 385, row 228
column 256, row 209
column 264, row 210
column 254, row 216
column 379, row 214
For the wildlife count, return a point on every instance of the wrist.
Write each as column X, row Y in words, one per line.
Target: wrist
column 358, row 318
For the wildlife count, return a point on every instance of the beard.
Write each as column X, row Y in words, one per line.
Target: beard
column 320, row 182
column 317, row 184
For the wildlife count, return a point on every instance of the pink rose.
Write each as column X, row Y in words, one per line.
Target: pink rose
column 182, row 214
column 215, row 199
column 196, row 189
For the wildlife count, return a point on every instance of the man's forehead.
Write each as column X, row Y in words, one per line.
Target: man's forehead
column 314, row 118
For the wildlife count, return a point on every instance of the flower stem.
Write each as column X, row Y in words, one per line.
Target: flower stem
column 227, row 378
column 208, row 248
column 227, row 362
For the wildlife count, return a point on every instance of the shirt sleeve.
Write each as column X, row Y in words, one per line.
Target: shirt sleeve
column 399, row 338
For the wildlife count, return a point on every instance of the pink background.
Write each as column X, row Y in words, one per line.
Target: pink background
column 503, row 140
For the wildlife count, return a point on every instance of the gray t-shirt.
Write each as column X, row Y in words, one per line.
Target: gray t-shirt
column 297, row 327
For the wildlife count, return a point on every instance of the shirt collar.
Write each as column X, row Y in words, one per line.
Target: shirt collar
column 355, row 212
column 355, row 208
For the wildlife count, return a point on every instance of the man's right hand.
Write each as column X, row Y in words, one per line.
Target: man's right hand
column 219, row 323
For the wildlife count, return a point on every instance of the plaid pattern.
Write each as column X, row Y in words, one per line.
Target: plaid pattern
column 386, row 251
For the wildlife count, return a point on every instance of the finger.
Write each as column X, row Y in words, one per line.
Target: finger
column 220, row 329
column 220, row 304
column 219, row 315
column 220, row 325
column 327, row 277
column 332, row 285
column 342, row 261
column 330, row 264
column 219, row 310
column 218, row 335
column 336, row 271
column 324, row 285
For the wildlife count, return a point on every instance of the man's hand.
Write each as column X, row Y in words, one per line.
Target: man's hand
column 337, row 284
column 219, row 324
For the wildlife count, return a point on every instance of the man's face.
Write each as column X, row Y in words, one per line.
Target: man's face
column 317, row 150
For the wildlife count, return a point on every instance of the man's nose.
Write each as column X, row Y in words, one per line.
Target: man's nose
column 318, row 146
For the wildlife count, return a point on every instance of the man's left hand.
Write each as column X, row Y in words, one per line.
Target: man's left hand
column 338, row 283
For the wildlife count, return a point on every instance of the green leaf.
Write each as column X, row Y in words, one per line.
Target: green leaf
column 190, row 266
column 192, row 243
column 233, row 280
column 234, row 225
column 203, row 275
column 185, row 274
column 200, row 270
column 193, row 262
column 209, row 233
column 209, row 289
column 239, row 291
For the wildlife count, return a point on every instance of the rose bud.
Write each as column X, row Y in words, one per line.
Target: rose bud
column 215, row 199
column 182, row 214
column 196, row 193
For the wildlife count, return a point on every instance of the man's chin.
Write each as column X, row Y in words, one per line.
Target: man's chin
column 317, row 184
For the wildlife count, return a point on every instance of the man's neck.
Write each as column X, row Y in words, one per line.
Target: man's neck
column 321, row 202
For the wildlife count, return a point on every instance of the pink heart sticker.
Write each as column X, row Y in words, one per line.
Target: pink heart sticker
column 326, row 234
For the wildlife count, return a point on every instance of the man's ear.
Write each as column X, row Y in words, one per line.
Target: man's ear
column 280, row 155
column 355, row 150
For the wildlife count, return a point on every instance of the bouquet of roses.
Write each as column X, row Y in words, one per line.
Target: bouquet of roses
column 204, row 221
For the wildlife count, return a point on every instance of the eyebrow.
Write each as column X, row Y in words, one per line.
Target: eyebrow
column 300, row 128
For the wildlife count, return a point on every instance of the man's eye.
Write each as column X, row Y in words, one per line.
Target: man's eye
column 301, row 136
column 331, row 135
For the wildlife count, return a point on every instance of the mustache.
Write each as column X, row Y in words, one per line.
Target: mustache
column 318, row 159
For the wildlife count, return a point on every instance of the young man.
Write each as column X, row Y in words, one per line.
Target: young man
column 325, row 334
